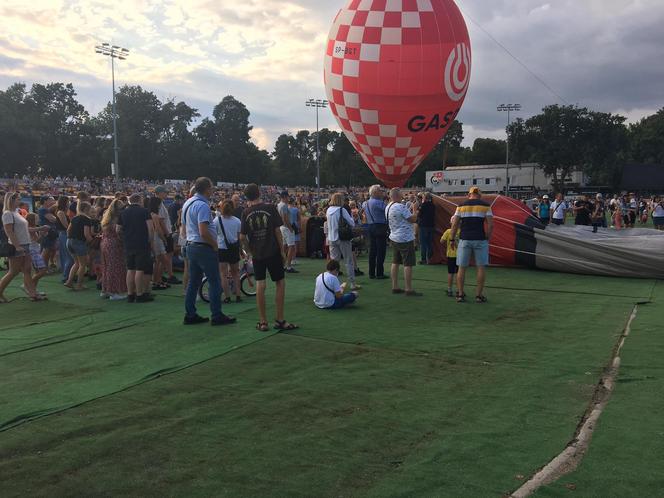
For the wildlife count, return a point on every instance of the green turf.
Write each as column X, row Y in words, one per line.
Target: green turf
column 625, row 457
column 398, row 397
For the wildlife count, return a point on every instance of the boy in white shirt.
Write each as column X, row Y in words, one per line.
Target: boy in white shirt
column 329, row 293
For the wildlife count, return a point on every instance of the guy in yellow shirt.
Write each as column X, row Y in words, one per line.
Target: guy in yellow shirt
column 452, row 268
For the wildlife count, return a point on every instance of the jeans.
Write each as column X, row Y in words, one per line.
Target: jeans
column 426, row 243
column 66, row 261
column 203, row 260
column 343, row 301
column 377, row 251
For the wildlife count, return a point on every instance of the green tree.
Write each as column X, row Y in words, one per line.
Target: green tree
column 647, row 139
column 489, row 151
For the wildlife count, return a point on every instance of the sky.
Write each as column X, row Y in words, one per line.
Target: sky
column 603, row 54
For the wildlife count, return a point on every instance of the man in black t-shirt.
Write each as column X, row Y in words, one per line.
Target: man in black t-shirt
column 137, row 232
column 261, row 238
column 582, row 210
column 426, row 222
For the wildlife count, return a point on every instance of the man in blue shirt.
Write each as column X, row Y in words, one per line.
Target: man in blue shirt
column 374, row 213
column 202, row 255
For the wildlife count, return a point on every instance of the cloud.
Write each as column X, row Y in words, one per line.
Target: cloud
column 604, row 54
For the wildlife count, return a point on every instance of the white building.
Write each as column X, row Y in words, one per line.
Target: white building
column 525, row 178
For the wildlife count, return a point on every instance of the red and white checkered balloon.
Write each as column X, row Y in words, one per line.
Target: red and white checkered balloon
column 396, row 75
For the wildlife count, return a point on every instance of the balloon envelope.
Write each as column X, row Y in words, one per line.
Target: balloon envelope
column 396, row 76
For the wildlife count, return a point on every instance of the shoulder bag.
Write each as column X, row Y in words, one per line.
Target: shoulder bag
column 7, row 250
column 345, row 230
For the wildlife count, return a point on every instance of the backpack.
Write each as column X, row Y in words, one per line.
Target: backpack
column 345, row 230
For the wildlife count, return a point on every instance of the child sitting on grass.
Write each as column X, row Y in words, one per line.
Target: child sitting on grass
column 330, row 292
column 451, row 252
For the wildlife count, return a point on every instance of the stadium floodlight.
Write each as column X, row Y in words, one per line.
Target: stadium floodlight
column 114, row 52
column 317, row 104
column 509, row 109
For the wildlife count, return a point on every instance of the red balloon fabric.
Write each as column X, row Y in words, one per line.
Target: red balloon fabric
column 396, row 76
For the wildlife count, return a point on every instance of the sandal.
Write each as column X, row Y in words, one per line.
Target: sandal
column 481, row 299
column 263, row 327
column 227, row 300
column 284, row 326
column 461, row 298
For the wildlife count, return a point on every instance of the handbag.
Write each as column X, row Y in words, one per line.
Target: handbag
column 235, row 246
column 7, row 250
column 345, row 230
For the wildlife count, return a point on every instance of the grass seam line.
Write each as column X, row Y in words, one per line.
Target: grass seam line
column 571, row 457
column 21, row 420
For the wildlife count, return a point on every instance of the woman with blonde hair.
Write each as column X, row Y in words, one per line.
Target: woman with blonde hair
column 18, row 236
column 339, row 235
column 79, row 234
column 114, row 270
column 228, row 228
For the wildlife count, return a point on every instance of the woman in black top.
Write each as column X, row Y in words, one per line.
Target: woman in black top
column 79, row 234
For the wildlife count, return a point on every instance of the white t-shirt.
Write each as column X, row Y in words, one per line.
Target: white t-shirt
column 401, row 230
column 20, row 224
column 658, row 212
column 558, row 209
column 163, row 214
column 323, row 298
column 333, row 222
column 232, row 228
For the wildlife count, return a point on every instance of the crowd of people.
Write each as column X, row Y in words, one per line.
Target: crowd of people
column 127, row 242
column 618, row 212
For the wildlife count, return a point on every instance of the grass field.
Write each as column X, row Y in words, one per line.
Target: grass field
column 397, row 397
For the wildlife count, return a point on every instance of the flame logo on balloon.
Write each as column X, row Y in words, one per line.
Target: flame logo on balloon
column 456, row 88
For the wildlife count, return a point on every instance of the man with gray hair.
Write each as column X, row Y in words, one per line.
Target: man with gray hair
column 402, row 236
column 374, row 213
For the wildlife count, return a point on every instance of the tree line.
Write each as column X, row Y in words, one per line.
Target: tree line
column 44, row 130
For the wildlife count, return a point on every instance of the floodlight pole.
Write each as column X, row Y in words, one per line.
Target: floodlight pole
column 114, row 52
column 318, row 104
column 509, row 108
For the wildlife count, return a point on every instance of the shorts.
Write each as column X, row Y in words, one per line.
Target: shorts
column 478, row 248
column 452, row 267
column 159, row 246
column 558, row 222
column 288, row 236
column 545, row 221
column 38, row 262
column 170, row 244
column 274, row 265
column 77, row 247
column 658, row 221
column 403, row 253
column 48, row 244
column 139, row 261
column 230, row 256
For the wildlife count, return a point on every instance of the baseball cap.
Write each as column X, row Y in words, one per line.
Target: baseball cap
column 161, row 189
column 475, row 190
column 545, row 197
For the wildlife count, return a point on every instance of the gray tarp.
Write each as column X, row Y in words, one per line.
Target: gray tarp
column 637, row 253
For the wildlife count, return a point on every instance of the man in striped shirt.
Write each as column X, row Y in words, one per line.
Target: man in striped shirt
column 471, row 217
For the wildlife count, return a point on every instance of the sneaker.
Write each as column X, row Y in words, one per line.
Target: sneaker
column 117, row 297
column 291, row 270
column 173, row 280
column 450, row 293
column 195, row 320
column 131, row 298
column 103, row 295
column 359, row 273
column 414, row 294
column 238, row 299
column 223, row 320
column 382, row 277
column 145, row 298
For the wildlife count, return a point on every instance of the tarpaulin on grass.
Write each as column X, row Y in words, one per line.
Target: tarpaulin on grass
column 520, row 239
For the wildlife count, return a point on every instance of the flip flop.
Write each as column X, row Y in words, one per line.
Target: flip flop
column 285, row 326
column 263, row 327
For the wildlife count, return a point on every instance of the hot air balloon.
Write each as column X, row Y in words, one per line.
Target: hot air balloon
column 396, row 76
